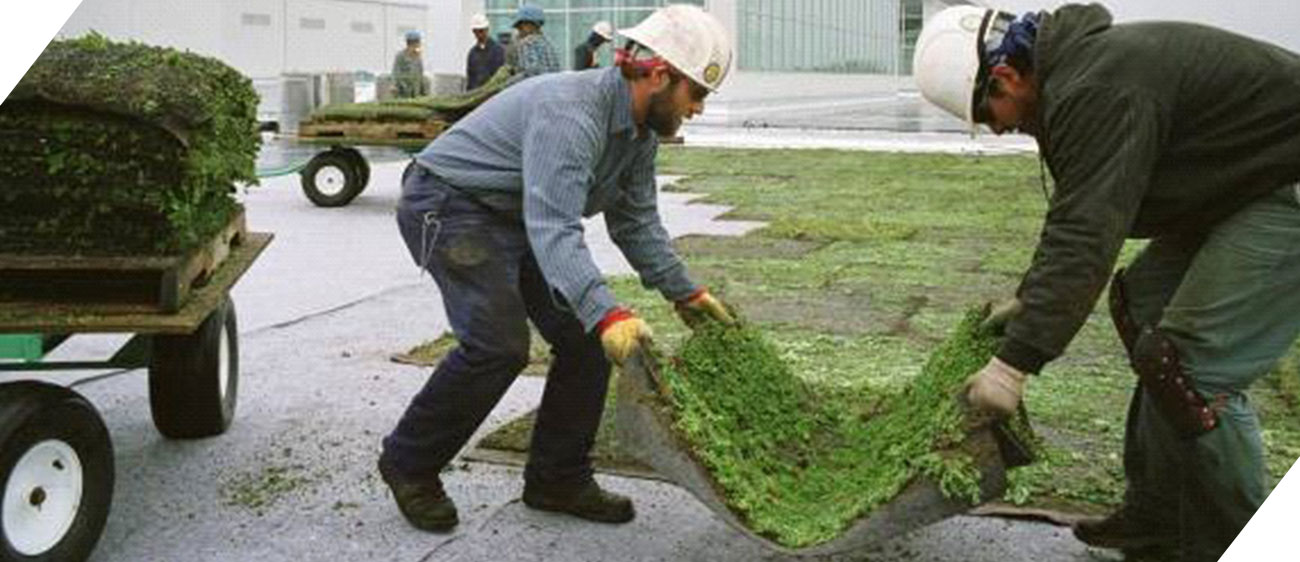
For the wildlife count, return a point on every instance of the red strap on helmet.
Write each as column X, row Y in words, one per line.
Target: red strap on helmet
column 625, row 57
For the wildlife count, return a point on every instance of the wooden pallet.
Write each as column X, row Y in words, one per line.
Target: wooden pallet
column 131, row 283
column 397, row 130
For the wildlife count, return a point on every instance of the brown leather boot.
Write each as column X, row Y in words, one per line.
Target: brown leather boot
column 586, row 500
column 1124, row 531
column 424, row 503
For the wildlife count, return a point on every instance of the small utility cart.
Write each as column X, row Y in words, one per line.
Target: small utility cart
column 56, row 459
column 339, row 172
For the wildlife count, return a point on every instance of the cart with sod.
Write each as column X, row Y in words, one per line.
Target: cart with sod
column 56, row 459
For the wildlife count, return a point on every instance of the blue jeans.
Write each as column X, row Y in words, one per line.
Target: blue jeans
column 1229, row 302
column 492, row 287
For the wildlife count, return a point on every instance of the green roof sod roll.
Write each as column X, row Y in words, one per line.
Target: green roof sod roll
column 113, row 148
column 801, row 469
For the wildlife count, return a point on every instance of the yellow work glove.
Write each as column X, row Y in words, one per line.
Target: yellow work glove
column 700, row 307
column 622, row 334
column 996, row 389
column 999, row 314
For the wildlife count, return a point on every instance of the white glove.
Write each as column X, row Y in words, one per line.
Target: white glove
column 997, row 388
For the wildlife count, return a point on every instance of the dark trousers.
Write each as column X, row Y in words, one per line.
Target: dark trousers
column 1229, row 303
column 491, row 287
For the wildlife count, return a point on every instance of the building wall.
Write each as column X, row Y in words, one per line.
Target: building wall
column 859, row 36
column 568, row 22
column 266, row 38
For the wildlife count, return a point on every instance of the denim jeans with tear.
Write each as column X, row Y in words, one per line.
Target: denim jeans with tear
column 492, row 287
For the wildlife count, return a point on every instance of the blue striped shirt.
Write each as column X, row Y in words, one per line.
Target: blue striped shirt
column 565, row 146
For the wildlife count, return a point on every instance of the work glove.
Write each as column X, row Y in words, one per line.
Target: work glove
column 999, row 314
column 700, row 307
column 996, row 389
column 622, row 334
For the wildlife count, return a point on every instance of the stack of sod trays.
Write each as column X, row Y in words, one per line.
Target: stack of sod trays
column 795, row 469
column 111, row 148
column 447, row 108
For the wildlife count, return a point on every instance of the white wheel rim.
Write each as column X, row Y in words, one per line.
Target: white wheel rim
column 223, row 363
column 330, row 180
column 42, row 497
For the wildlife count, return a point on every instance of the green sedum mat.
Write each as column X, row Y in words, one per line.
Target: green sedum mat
column 445, row 108
column 799, row 470
column 111, row 148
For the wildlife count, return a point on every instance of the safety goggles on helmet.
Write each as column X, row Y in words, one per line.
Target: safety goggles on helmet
column 993, row 29
column 645, row 61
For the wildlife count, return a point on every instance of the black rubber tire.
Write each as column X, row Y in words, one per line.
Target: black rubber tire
column 352, row 176
column 363, row 167
column 186, row 393
column 34, row 415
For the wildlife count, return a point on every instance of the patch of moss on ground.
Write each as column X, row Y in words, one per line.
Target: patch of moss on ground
column 430, row 353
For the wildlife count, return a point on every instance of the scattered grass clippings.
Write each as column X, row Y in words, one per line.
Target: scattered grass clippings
column 259, row 490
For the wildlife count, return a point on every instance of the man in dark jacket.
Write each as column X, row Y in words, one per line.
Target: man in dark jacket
column 485, row 57
column 1176, row 132
column 584, row 55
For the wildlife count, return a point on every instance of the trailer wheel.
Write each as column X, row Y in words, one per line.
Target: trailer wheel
column 335, row 177
column 194, row 378
column 56, row 465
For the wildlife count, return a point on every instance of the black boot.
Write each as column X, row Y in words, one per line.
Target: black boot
column 1124, row 531
column 585, row 500
column 424, row 503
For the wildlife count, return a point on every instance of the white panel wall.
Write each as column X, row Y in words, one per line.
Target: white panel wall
column 190, row 24
column 253, row 36
column 449, row 36
column 401, row 19
column 111, row 18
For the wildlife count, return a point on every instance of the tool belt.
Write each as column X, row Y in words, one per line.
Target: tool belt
column 1160, row 371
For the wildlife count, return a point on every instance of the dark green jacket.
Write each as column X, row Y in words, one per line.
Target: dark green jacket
column 1149, row 129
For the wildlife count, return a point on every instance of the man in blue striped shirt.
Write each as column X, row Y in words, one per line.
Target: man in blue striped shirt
column 493, row 209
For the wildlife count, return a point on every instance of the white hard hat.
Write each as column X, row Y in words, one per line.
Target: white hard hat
column 690, row 39
column 603, row 29
column 479, row 21
column 947, row 64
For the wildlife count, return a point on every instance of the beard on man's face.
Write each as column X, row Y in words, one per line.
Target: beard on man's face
column 663, row 118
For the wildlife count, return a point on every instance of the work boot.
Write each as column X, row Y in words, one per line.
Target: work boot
column 1122, row 530
column 586, row 500
column 423, row 502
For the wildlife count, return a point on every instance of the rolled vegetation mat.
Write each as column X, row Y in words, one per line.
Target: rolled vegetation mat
column 726, row 418
column 445, row 108
column 111, row 148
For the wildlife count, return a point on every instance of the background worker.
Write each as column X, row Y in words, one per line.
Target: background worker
column 1176, row 132
column 584, row 55
column 485, row 57
column 493, row 210
column 535, row 53
column 408, row 69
